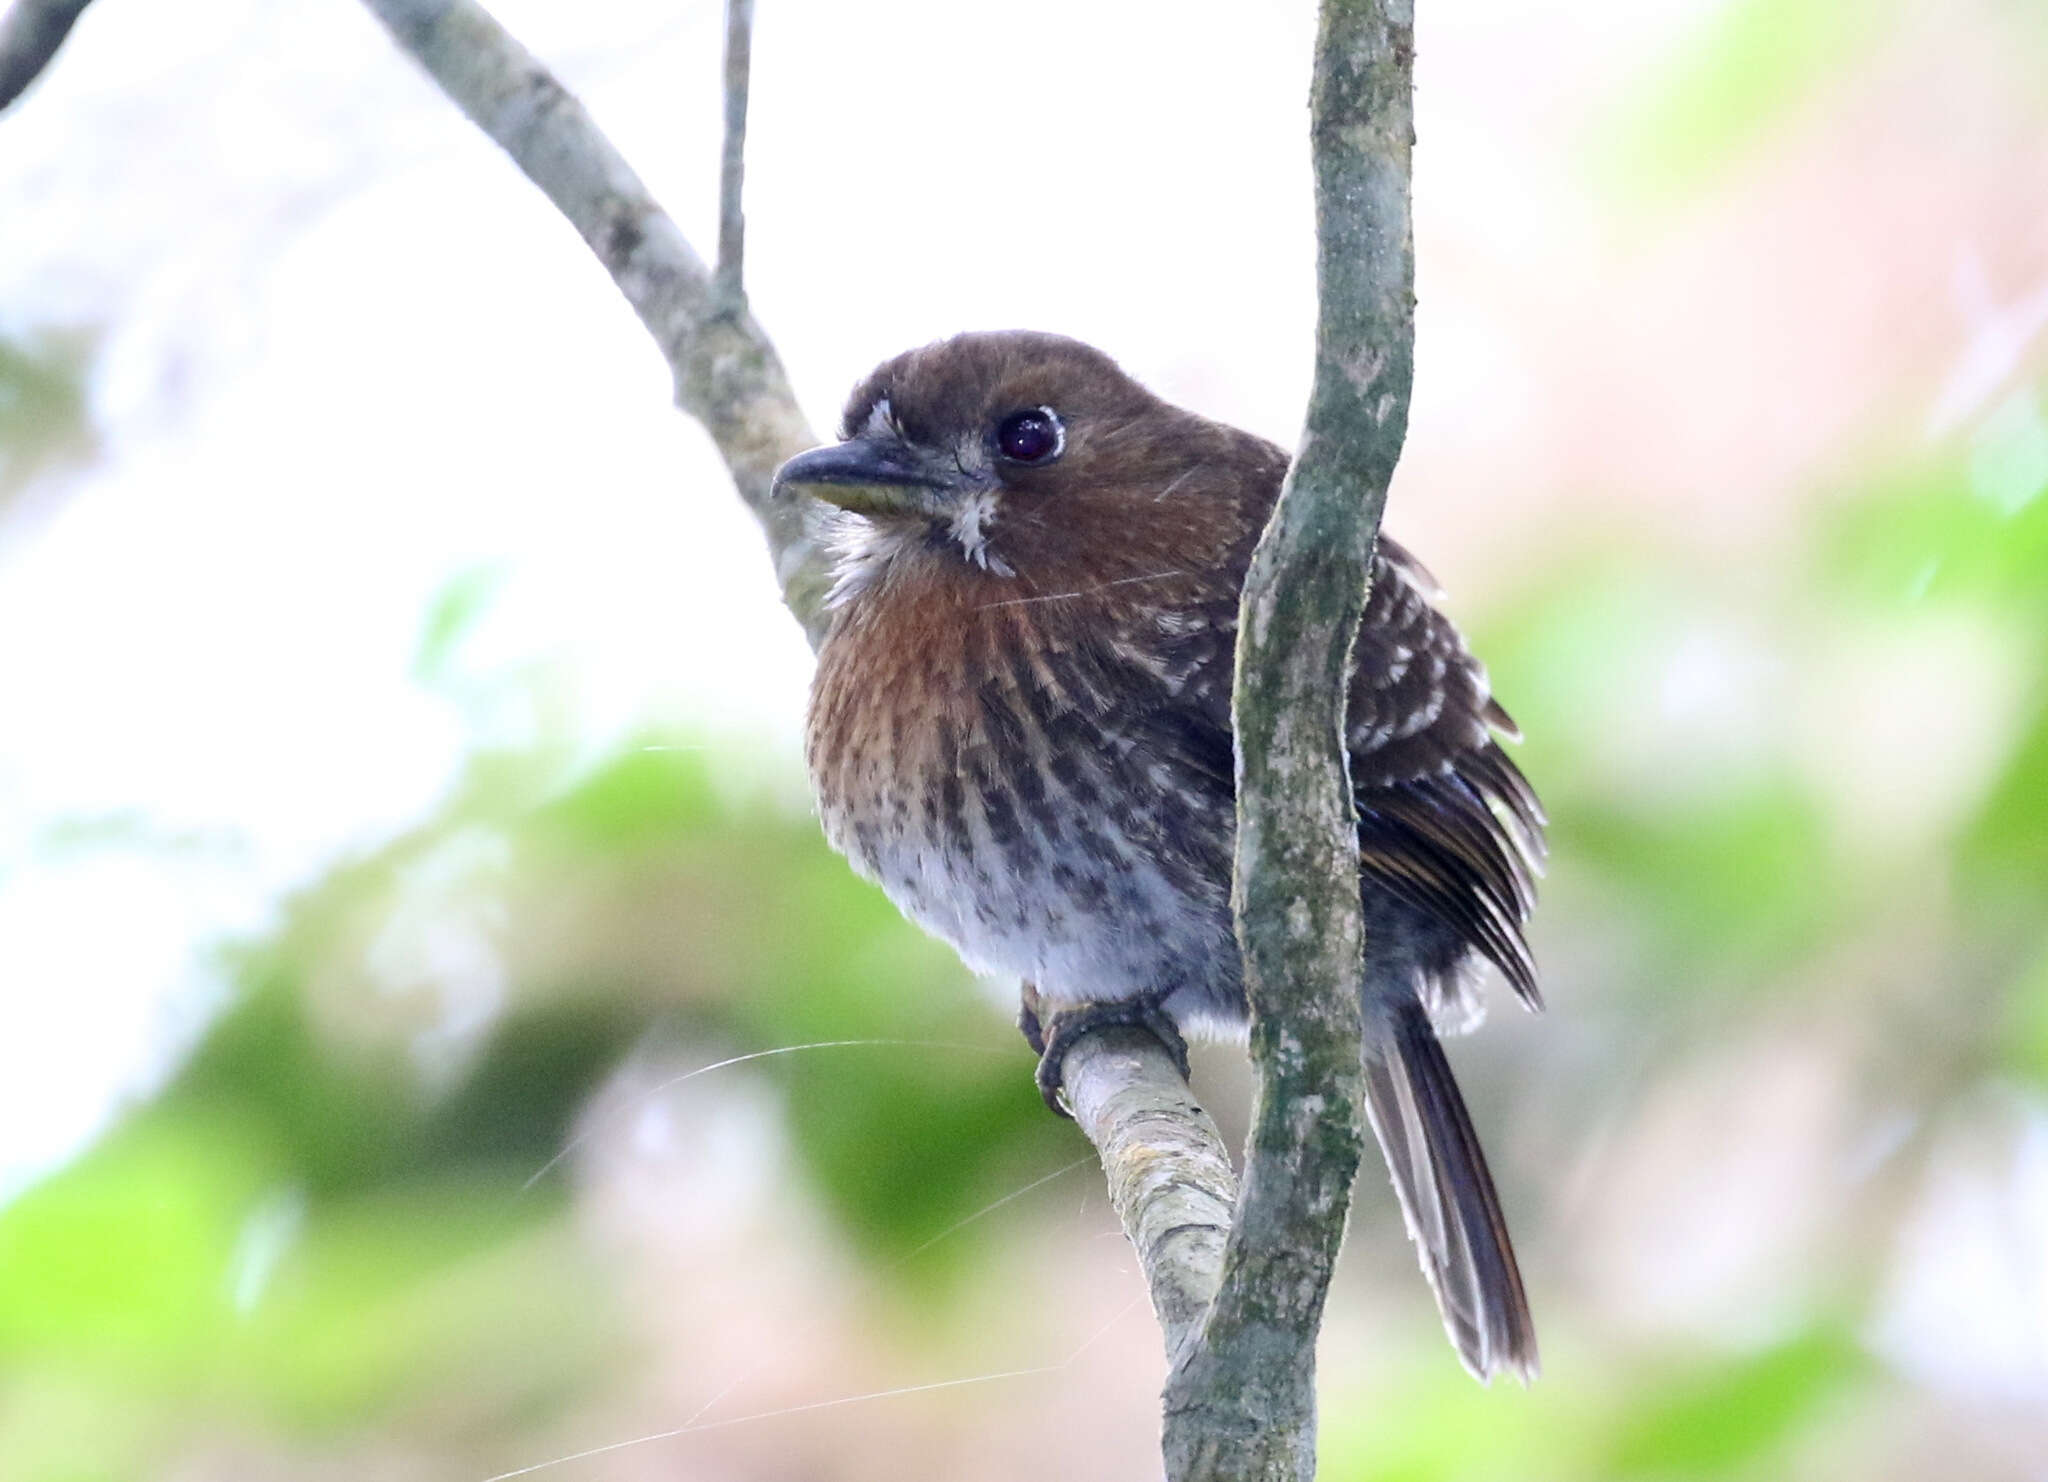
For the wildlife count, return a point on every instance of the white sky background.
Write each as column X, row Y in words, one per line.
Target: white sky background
column 348, row 352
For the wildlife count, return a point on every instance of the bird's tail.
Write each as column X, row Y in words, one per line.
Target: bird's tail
column 1447, row 1195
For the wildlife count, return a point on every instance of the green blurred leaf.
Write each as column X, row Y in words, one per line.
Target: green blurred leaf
column 121, row 1259
column 412, row 1301
column 1920, row 535
column 648, row 794
column 1746, row 68
column 1732, row 884
column 154, row 1269
column 1731, row 1419
column 1431, row 1423
column 1709, row 1417
column 517, row 1102
column 63, row 1422
column 2004, row 853
column 1967, row 525
column 335, row 1121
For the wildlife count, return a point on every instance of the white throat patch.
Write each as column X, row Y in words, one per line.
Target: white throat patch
column 864, row 547
column 970, row 527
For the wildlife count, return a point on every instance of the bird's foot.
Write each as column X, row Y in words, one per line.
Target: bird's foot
column 1053, row 1035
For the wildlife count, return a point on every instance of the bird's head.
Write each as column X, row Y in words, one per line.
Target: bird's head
column 993, row 450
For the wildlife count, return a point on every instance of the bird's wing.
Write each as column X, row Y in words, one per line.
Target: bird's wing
column 1446, row 821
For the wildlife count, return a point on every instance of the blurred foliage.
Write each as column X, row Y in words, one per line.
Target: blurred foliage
column 328, row 1221
column 323, row 1222
column 308, row 1229
column 819, row 957
column 1971, row 532
column 1730, row 877
column 1733, row 1417
column 352, row 1209
column 1744, row 68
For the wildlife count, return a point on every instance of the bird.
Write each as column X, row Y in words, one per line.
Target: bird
column 1020, row 728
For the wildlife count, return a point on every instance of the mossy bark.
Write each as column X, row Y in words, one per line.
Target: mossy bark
column 1240, row 1403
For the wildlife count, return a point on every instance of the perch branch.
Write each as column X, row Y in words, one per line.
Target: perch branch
column 1168, row 1171
column 30, row 34
column 727, row 374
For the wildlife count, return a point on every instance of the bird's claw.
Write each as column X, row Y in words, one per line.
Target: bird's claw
column 1028, row 1022
column 1053, row 1035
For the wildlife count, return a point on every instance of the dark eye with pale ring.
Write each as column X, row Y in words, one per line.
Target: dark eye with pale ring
column 1032, row 436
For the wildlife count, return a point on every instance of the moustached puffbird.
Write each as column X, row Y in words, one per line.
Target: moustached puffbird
column 1020, row 728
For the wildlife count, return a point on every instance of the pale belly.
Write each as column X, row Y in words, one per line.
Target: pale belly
column 1099, row 905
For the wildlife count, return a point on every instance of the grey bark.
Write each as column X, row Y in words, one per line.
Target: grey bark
column 1169, row 1174
column 728, row 282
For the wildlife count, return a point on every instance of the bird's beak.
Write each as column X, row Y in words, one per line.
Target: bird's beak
column 870, row 476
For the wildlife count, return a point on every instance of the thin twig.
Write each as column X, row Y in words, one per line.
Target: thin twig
column 731, row 291
column 727, row 373
column 30, row 34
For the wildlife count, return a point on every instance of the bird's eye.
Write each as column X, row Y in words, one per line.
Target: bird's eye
column 1031, row 436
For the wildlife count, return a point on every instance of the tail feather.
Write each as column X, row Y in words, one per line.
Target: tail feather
column 1447, row 1196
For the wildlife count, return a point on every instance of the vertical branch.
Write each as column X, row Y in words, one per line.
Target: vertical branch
column 1241, row 1403
column 728, row 286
